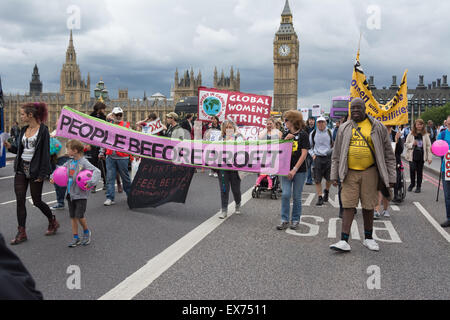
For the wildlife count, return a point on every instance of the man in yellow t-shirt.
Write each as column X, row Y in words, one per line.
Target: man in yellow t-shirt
column 354, row 165
column 359, row 155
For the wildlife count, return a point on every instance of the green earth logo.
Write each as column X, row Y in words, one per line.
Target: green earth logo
column 212, row 106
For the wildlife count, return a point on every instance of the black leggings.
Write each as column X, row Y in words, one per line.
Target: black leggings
column 416, row 167
column 229, row 179
column 20, row 188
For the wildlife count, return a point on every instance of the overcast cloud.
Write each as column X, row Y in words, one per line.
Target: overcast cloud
column 138, row 44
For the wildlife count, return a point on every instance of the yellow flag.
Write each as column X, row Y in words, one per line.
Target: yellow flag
column 393, row 113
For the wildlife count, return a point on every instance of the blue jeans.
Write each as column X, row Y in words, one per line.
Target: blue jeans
column 287, row 185
column 446, row 185
column 61, row 191
column 112, row 166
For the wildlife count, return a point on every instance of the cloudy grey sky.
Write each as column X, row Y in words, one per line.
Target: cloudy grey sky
column 138, row 44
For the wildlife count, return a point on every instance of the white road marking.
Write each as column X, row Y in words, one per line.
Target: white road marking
column 4, row 178
column 8, row 202
column 313, row 228
column 48, row 203
column 335, row 202
column 143, row 277
column 394, row 237
column 44, row 194
column 12, row 201
column 309, row 199
column 354, row 232
column 395, row 208
column 433, row 222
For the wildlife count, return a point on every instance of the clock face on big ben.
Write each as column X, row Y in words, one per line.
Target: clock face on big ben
column 284, row 50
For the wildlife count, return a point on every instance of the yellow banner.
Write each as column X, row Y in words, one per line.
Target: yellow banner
column 393, row 113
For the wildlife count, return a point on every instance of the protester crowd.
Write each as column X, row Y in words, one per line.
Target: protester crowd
column 360, row 156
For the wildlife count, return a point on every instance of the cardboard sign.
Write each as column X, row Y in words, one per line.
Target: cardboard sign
column 305, row 113
column 153, row 127
column 447, row 166
column 3, row 137
column 250, row 133
column 214, row 135
column 316, row 112
column 245, row 109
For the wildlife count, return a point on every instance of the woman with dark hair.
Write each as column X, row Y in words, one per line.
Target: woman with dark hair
column 418, row 150
column 215, row 123
column 92, row 152
column 292, row 185
column 32, row 166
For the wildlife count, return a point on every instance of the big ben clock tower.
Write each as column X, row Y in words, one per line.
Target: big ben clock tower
column 285, row 64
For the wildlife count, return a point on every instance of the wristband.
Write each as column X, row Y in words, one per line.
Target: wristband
column 295, row 168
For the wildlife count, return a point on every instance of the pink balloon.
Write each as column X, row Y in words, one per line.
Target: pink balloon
column 61, row 176
column 82, row 178
column 439, row 148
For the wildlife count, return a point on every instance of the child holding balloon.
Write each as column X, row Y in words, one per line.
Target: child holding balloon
column 80, row 176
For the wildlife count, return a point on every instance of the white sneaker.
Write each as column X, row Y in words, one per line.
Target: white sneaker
column 371, row 244
column 210, row 174
column 386, row 214
column 342, row 246
column 223, row 215
column 376, row 214
column 215, row 175
column 109, row 202
column 238, row 210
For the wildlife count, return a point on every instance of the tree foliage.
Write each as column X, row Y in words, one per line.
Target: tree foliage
column 436, row 114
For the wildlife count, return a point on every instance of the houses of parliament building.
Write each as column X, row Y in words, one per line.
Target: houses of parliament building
column 75, row 92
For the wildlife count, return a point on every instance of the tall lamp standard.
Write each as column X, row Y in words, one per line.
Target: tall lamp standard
column 100, row 92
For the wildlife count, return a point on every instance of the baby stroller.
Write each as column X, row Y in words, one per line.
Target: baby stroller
column 264, row 187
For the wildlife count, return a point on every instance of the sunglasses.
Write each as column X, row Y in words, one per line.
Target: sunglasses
column 169, row 117
column 286, row 120
column 119, row 115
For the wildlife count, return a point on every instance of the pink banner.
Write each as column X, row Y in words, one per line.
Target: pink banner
column 245, row 109
column 272, row 157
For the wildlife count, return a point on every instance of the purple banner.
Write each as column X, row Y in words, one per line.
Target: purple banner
column 269, row 157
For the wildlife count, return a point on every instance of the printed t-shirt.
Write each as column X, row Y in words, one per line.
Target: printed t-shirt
column 359, row 155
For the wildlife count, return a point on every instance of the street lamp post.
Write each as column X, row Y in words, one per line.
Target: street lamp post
column 100, row 92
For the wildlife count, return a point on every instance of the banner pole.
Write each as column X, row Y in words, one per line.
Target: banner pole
column 439, row 183
column 359, row 43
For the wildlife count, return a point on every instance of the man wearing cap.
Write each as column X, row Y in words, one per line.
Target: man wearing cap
column 362, row 155
column 321, row 142
column 174, row 130
column 116, row 162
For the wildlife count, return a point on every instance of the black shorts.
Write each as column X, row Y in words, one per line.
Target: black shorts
column 77, row 208
column 322, row 169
